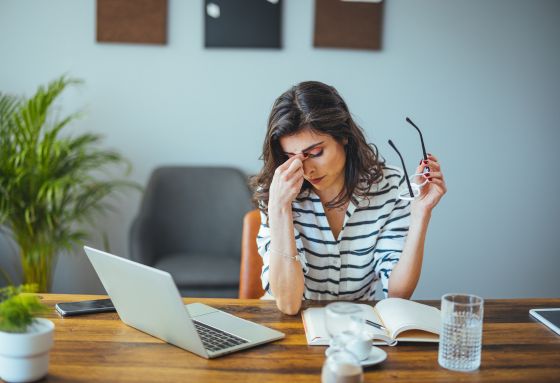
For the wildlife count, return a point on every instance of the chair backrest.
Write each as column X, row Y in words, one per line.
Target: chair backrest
column 250, row 286
column 191, row 210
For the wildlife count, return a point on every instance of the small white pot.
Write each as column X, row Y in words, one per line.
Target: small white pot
column 24, row 357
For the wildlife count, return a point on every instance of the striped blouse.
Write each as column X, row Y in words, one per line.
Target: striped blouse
column 365, row 252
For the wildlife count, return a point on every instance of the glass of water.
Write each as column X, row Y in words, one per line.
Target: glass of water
column 343, row 320
column 460, row 339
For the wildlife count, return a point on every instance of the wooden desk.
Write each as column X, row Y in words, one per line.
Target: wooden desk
column 100, row 348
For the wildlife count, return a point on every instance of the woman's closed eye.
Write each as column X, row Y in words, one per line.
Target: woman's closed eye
column 312, row 153
column 315, row 152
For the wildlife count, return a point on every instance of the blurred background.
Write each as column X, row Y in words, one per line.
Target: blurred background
column 479, row 77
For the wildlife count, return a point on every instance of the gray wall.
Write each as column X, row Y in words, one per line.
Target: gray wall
column 479, row 76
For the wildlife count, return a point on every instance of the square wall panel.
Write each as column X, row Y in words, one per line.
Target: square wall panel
column 348, row 24
column 132, row 21
column 242, row 23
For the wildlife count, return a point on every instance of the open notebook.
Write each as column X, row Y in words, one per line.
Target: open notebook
column 404, row 321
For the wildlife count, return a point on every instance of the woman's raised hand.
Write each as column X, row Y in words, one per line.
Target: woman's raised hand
column 435, row 188
column 286, row 183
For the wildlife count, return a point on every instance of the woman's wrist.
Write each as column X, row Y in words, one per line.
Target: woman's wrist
column 275, row 209
column 420, row 213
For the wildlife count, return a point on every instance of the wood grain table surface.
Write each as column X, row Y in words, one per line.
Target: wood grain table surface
column 100, row 348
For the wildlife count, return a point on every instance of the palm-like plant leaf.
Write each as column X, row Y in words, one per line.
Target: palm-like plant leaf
column 50, row 181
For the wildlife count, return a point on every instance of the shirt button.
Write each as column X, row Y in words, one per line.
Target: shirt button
column 336, row 262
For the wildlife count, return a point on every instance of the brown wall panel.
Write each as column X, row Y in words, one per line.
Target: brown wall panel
column 347, row 24
column 132, row 21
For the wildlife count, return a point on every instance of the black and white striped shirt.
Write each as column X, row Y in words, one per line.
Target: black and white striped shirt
column 365, row 252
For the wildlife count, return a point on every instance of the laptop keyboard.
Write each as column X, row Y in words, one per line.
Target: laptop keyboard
column 214, row 339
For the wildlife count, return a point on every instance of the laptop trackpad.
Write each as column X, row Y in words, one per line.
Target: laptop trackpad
column 237, row 326
column 198, row 309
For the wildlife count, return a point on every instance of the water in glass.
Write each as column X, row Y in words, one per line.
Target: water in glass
column 343, row 320
column 461, row 332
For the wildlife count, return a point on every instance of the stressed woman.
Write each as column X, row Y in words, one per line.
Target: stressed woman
column 333, row 221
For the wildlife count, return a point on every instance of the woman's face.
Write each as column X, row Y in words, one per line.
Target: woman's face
column 324, row 159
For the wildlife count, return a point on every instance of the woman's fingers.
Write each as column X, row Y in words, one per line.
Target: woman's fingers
column 288, row 163
column 432, row 157
column 436, row 180
column 292, row 168
column 290, row 173
column 295, row 165
column 436, row 187
column 295, row 177
column 432, row 174
column 433, row 165
column 439, row 183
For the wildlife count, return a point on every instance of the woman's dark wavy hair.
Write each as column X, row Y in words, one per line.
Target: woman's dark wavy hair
column 317, row 106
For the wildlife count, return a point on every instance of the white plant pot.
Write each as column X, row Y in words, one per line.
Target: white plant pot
column 24, row 357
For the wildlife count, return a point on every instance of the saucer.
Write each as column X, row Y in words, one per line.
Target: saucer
column 376, row 355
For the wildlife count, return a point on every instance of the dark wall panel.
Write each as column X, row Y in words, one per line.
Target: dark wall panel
column 243, row 23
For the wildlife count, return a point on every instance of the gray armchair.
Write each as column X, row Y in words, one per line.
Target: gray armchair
column 190, row 224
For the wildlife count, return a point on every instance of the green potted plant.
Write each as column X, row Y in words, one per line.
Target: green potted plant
column 25, row 341
column 51, row 182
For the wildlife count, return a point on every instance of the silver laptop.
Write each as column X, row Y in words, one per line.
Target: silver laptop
column 148, row 300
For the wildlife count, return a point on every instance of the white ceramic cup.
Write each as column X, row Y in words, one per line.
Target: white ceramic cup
column 360, row 346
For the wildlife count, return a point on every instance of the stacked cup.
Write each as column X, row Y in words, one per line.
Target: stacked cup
column 349, row 345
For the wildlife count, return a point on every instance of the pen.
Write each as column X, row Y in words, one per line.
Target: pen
column 376, row 325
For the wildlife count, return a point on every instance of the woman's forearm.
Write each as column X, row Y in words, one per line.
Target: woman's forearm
column 285, row 274
column 406, row 273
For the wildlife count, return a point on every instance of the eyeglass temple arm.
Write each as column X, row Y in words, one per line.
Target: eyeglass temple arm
column 421, row 138
column 404, row 168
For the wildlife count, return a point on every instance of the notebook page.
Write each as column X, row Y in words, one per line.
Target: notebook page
column 314, row 325
column 316, row 330
column 402, row 315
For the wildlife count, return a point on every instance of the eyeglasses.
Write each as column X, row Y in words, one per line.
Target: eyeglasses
column 413, row 188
